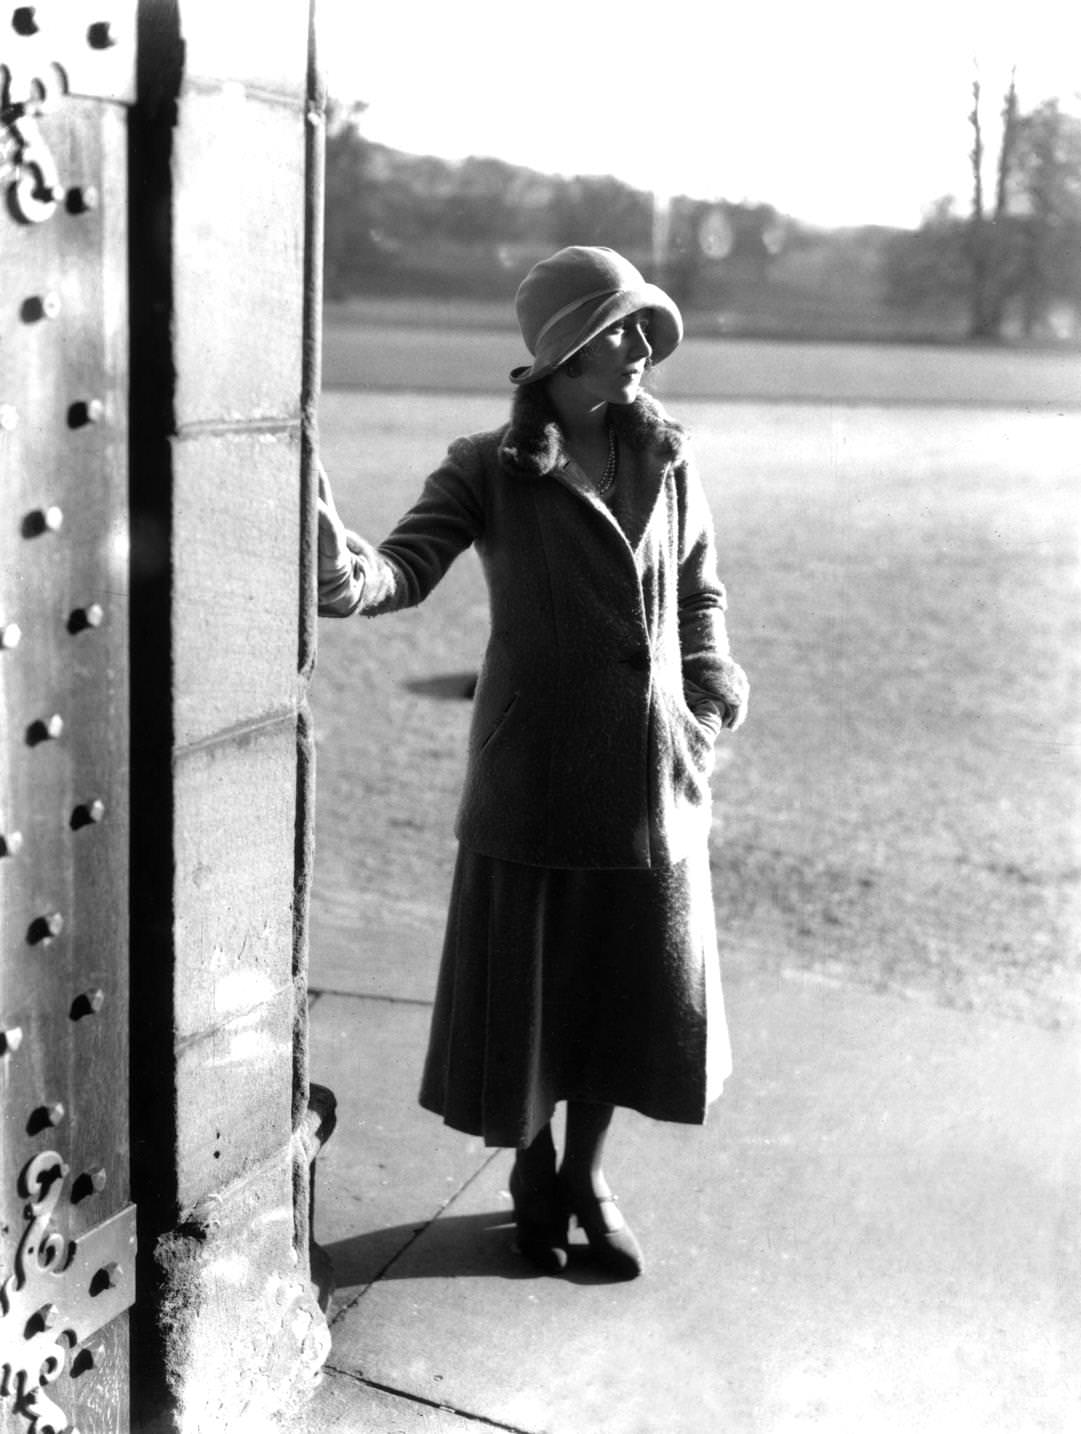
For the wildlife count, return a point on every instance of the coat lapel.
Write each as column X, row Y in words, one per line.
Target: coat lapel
column 532, row 447
column 639, row 484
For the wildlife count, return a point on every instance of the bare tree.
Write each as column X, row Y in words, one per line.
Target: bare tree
column 989, row 241
column 1017, row 253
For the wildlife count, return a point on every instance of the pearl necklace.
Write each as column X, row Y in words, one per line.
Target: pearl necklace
column 608, row 477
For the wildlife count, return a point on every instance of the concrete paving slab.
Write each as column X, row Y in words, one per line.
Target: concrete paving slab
column 877, row 1231
column 392, row 949
column 345, row 1405
column 390, row 1167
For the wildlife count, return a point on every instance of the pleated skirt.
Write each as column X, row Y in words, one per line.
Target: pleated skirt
column 575, row 985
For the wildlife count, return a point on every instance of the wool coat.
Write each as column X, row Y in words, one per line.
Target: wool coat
column 607, row 673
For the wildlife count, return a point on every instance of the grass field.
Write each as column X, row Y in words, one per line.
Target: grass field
column 902, row 808
column 422, row 345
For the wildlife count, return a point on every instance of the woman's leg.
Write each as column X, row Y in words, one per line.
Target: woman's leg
column 537, row 1162
column 540, row 1218
column 586, row 1190
column 583, row 1151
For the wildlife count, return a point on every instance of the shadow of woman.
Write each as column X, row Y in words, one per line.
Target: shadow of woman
column 446, row 1248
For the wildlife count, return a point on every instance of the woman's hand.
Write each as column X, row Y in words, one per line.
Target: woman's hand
column 333, row 538
column 341, row 582
column 735, row 714
column 718, row 700
column 735, row 695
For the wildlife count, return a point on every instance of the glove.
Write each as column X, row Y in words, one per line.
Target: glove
column 333, row 547
column 734, row 694
column 719, row 697
column 341, row 577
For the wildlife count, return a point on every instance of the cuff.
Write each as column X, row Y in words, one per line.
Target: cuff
column 342, row 593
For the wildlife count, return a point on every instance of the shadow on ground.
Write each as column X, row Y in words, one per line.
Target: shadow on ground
column 452, row 1247
column 447, row 685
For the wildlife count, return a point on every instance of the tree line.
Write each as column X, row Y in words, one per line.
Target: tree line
column 394, row 220
column 1011, row 263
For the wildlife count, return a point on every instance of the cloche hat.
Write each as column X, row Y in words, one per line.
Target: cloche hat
column 565, row 301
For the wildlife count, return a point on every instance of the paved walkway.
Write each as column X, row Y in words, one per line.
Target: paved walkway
column 875, row 1233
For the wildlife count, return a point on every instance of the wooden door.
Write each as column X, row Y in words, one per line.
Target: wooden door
column 67, row 1227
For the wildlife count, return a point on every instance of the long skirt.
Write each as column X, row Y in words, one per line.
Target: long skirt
column 575, row 985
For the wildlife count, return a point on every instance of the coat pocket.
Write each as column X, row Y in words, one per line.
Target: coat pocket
column 693, row 756
column 500, row 723
column 700, row 740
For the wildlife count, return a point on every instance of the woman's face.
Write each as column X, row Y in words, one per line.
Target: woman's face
column 611, row 366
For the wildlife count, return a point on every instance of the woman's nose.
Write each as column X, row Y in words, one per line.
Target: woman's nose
column 640, row 345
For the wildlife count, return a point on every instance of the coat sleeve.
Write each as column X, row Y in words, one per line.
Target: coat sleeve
column 446, row 518
column 715, row 686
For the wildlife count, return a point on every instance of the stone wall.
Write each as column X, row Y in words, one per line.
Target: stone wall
column 226, row 147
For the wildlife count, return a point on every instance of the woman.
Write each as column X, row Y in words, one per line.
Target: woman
column 580, row 961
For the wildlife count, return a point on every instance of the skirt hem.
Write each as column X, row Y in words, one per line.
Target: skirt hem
column 502, row 1140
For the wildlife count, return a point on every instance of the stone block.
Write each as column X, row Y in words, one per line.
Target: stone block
column 236, row 523
column 234, row 1102
column 238, row 284
column 248, row 1338
column 234, row 820
column 258, row 43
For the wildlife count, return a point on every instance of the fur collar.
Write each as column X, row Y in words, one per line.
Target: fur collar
column 532, row 443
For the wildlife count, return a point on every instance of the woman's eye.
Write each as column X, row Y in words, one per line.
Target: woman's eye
column 618, row 331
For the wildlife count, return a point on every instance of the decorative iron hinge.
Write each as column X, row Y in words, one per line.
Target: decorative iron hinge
column 49, row 50
column 61, row 1293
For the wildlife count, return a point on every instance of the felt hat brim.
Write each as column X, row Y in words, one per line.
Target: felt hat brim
column 578, row 328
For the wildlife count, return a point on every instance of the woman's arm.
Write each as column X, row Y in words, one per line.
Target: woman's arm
column 354, row 576
column 715, row 686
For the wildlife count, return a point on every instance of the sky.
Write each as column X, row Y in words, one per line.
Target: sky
column 835, row 112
